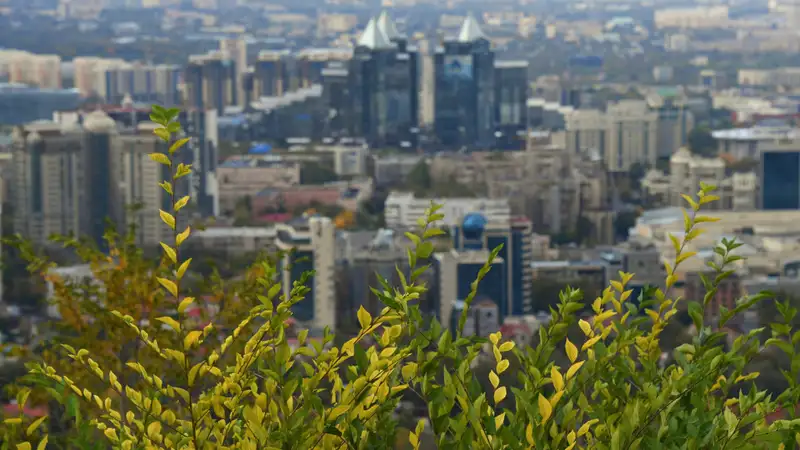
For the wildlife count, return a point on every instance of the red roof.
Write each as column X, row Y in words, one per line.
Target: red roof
column 12, row 409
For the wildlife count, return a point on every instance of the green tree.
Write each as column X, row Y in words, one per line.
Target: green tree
column 701, row 142
column 593, row 379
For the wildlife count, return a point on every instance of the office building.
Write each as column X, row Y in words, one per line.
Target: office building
column 511, row 97
column 336, row 96
column 779, row 177
column 89, row 74
column 465, row 89
column 517, row 253
column 211, row 82
column 383, row 87
column 310, row 62
column 310, row 245
column 20, row 104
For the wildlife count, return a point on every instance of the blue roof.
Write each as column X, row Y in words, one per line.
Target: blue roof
column 260, row 149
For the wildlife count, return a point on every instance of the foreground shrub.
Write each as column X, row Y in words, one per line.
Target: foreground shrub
column 189, row 387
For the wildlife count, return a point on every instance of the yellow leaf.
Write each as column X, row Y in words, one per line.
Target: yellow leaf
column 494, row 379
column 167, row 218
column 506, row 346
column 111, row 434
column 585, row 427
column 32, row 427
column 585, row 327
column 191, row 338
column 572, row 351
column 544, row 408
column 574, row 369
column 502, row 366
column 160, row 158
column 153, row 429
column 169, row 285
column 413, row 439
column 555, row 398
column 557, row 378
column 182, row 269
column 338, row 411
column 409, row 370
column 571, row 437
column 499, row 394
column 617, row 285
column 24, row 446
column 177, row 145
column 43, row 443
column 529, row 433
column 170, row 252
column 495, row 337
column 183, row 236
column 181, row 203
column 498, row 421
column 364, row 318
column 590, row 343
column 172, row 323
column 13, row 421
column 185, row 304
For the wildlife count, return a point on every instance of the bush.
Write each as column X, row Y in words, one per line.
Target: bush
column 606, row 386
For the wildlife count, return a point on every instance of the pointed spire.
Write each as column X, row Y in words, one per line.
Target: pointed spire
column 387, row 25
column 373, row 37
column 471, row 30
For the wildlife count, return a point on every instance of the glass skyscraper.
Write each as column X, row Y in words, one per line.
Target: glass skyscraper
column 780, row 178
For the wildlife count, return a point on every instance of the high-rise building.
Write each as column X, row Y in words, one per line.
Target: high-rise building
column 20, row 104
column 779, row 177
column 475, row 232
column 140, row 83
column 383, row 86
column 236, row 51
column 64, row 178
column 272, row 73
column 511, row 97
column 42, row 71
column 310, row 244
column 211, row 82
column 465, row 89
column 140, row 177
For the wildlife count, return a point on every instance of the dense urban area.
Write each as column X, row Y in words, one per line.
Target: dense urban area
column 566, row 131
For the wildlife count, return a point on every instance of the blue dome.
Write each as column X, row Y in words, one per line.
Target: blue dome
column 260, row 149
column 473, row 225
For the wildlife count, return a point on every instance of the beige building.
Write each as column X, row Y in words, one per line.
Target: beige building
column 28, row 68
column 236, row 51
column 240, row 178
column 624, row 135
column 695, row 17
column 737, row 191
column 89, row 73
column 139, row 177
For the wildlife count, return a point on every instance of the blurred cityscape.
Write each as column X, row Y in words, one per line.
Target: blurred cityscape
column 565, row 131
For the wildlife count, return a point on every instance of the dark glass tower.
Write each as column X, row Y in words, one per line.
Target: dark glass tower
column 780, row 179
column 465, row 89
column 511, row 98
column 383, row 87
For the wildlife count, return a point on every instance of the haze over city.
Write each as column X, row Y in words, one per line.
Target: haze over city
column 565, row 131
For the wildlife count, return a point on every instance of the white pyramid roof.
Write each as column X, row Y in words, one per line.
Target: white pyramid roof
column 386, row 24
column 471, row 30
column 373, row 37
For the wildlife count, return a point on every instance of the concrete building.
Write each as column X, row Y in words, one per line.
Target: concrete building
column 234, row 240
column 43, row 71
column 311, row 245
column 236, row 50
column 692, row 17
column 89, row 74
column 245, row 177
column 138, row 82
column 403, row 209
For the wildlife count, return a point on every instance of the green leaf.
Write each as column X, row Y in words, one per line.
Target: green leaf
column 425, row 250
